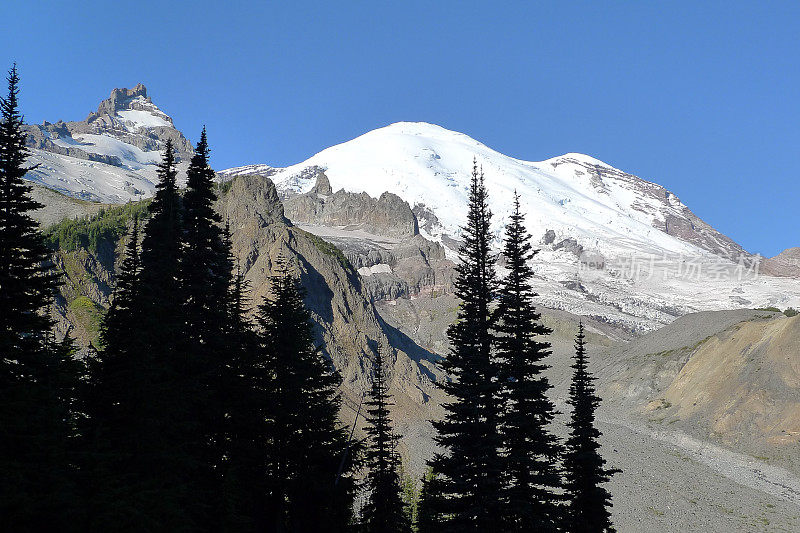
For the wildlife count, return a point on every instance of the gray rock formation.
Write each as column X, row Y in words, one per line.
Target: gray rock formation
column 346, row 321
column 388, row 215
column 379, row 237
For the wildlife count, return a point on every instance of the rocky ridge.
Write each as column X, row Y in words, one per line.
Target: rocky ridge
column 379, row 236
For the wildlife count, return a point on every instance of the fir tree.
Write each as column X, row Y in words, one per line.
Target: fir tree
column 384, row 510
column 206, row 274
column 247, row 430
column 38, row 376
column 114, row 395
column 305, row 442
column 205, row 282
column 530, row 451
column 471, row 471
column 119, row 327
column 585, row 470
column 429, row 507
column 148, row 423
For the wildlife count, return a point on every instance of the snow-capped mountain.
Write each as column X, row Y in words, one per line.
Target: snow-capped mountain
column 612, row 245
column 112, row 155
column 573, row 195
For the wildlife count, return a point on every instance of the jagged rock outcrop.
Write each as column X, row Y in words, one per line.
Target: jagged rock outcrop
column 379, row 237
column 388, row 215
column 346, row 321
column 110, row 157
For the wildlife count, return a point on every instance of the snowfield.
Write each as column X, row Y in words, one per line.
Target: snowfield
column 143, row 119
column 95, row 181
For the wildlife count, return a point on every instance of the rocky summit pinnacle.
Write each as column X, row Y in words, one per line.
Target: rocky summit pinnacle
column 122, row 142
column 122, row 99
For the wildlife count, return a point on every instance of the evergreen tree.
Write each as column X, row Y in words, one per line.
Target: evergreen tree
column 305, row 442
column 429, row 507
column 205, row 281
column 471, row 471
column 384, row 510
column 206, row 274
column 148, row 423
column 585, row 470
column 410, row 494
column 38, row 376
column 247, row 430
column 531, row 452
column 113, row 397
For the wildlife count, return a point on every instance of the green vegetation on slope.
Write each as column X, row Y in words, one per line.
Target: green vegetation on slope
column 328, row 249
column 89, row 315
column 88, row 232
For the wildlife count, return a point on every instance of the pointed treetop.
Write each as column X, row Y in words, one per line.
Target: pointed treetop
column 202, row 145
column 9, row 103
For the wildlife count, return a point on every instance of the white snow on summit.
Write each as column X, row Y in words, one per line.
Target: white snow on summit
column 112, row 156
column 431, row 166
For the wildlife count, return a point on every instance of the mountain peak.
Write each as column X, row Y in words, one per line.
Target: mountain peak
column 436, row 132
column 120, row 98
column 130, row 109
column 119, row 146
column 138, row 90
column 576, row 195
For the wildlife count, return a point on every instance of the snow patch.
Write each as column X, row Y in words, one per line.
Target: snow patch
column 142, row 119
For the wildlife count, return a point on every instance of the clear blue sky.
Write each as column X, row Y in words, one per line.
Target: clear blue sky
column 701, row 97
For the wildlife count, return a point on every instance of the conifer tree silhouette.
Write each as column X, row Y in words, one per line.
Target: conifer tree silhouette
column 38, row 376
column 383, row 512
column 306, row 441
column 585, row 470
column 471, row 471
column 531, row 452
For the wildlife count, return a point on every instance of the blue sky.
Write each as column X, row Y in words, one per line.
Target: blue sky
column 701, row 97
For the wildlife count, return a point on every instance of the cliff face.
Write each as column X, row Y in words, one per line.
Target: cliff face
column 379, row 236
column 388, row 215
column 345, row 319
